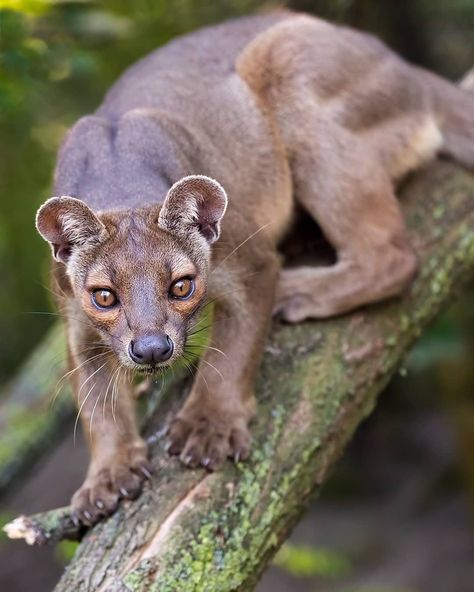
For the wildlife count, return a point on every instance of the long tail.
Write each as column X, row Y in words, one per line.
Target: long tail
column 454, row 107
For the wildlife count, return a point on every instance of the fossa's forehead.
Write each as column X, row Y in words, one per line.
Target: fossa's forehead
column 120, row 262
column 137, row 247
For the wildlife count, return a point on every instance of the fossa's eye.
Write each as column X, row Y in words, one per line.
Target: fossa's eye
column 182, row 289
column 104, row 298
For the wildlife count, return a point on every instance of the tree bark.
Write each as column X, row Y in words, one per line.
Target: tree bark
column 195, row 531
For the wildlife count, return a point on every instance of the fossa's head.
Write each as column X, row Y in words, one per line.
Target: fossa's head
column 139, row 275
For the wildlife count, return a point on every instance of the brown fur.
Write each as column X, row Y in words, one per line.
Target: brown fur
column 283, row 110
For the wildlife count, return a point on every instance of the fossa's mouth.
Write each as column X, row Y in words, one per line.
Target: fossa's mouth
column 150, row 369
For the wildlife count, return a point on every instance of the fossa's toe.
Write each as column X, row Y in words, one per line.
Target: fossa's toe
column 293, row 309
column 177, row 435
column 208, row 441
column 100, row 494
column 94, row 500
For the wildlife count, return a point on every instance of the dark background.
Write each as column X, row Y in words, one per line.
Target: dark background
column 397, row 515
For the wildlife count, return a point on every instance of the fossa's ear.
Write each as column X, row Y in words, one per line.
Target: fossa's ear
column 66, row 223
column 197, row 202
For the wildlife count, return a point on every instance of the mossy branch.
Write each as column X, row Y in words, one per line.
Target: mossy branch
column 46, row 527
column 194, row 531
column 34, row 408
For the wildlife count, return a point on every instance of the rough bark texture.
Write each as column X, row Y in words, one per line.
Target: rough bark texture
column 194, row 531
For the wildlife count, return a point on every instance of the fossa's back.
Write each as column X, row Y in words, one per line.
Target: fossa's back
column 180, row 110
column 237, row 95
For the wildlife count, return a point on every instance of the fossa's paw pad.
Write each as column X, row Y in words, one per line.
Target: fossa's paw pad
column 207, row 441
column 100, row 493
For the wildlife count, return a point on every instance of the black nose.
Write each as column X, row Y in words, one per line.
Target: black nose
column 151, row 349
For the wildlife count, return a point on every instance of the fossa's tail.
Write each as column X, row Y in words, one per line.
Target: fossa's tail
column 454, row 107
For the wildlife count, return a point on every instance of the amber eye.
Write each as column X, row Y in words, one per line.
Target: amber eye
column 104, row 298
column 182, row 289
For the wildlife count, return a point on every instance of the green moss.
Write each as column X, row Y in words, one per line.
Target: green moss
column 228, row 544
column 134, row 581
column 214, row 563
column 404, row 322
column 51, row 521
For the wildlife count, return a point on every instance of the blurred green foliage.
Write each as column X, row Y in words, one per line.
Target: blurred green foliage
column 64, row 551
column 57, row 59
column 305, row 561
column 5, row 518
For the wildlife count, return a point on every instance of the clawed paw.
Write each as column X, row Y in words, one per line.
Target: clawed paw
column 207, row 441
column 100, row 493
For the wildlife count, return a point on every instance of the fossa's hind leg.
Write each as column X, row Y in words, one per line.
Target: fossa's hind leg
column 341, row 182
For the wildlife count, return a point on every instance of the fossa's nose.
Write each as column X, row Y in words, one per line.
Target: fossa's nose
column 151, row 349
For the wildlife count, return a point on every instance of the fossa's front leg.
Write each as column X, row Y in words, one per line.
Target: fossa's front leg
column 118, row 464
column 213, row 423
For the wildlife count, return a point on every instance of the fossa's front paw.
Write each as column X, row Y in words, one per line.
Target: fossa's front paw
column 118, row 479
column 207, row 439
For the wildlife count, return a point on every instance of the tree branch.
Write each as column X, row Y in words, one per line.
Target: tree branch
column 191, row 530
column 34, row 408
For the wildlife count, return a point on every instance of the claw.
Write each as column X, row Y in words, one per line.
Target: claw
column 75, row 520
column 100, row 504
column 146, row 472
column 88, row 515
column 124, row 492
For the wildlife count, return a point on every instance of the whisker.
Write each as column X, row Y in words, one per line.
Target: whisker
column 191, row 334
column 59, row 295
column 115, row 394
column 88, row 378
column 196, row 324
column 107, row 390
column 206, row 347
column 189, row 364
column 92, row 415
column 70, row 372
column 213, row 367
column 79, row 412
column 239, row 246
column 199, row 373
column 214, row 322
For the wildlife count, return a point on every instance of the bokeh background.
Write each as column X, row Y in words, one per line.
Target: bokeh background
column 397, row 515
